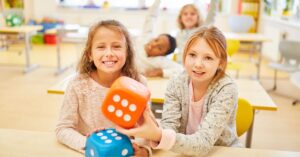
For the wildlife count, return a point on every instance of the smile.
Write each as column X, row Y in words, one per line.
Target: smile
column 198, row 73
column 109, row 62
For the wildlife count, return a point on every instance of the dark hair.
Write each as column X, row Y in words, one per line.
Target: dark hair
column 129, row 69
column 172, row 43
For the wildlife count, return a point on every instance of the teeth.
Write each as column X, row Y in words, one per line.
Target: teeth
column 109, row 62
column 198, row 72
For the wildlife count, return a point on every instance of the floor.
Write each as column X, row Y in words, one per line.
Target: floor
column 25, row 104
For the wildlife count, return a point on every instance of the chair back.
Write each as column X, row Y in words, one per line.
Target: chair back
column 290, row 52
column 240, row 23
column 244, row 116
column 232, row 46
column 295, row 79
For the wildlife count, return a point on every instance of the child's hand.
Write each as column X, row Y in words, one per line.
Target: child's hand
column 96, row 130
column 139, row 151
column 147, row 128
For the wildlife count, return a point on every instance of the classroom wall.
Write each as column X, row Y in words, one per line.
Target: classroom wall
column 166, row 21
column 275, row 28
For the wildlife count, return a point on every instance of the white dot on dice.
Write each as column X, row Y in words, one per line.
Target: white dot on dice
column 99, row 134
column 109, row 131
column 127, row 118
column 116, row 98
column 92, row 152
column 118, row 138
column 103, row 137
column 119, row 113
column 111, row 108
column 132, row 107
column 114, row 134
column 124, row 103
column 108, row 141
column 124, row 152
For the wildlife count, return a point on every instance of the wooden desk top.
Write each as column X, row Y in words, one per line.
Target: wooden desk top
column 250, row 90
column 21, row 143
column 251, row 37
column 21, row 29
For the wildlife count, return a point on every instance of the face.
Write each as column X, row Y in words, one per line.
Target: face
column 108, row 51
column 201, row 63
column 158, row 46
column 189, row 17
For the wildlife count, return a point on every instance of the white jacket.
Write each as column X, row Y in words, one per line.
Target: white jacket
column 168, row 66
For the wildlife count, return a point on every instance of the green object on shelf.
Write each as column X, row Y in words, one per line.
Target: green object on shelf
column 13, row 20
column 37, row 39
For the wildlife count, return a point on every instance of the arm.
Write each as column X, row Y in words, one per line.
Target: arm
column 171, row 68
column 150, row 19
column 211, row 16
column 172, row 107
column 210, row 129
column 66, row 132
column 164, row 67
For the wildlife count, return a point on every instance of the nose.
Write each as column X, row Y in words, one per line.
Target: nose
column 108, row 52
column 199, row 63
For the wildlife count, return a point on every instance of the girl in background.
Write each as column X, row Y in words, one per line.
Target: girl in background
column 108, row 54
column 200, row 103
column 189, row 20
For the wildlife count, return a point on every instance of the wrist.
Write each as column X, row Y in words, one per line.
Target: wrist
column 158, row 134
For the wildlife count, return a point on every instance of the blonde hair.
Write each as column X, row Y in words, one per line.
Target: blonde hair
column 129, row 68
column 217, row 42
column 199, row 19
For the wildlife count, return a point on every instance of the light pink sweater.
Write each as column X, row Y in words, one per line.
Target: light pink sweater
column 80, row 113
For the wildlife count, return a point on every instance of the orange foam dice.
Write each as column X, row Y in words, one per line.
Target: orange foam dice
column 125, row 102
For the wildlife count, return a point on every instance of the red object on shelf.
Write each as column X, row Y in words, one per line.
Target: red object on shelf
column 50, row 39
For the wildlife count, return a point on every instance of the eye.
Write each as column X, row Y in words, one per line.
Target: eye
column 208, row 58
column 117, row 46
column 100, row 47
column 192, row 54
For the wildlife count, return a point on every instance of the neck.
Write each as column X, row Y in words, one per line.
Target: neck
column 199, row 89
column 105, row 79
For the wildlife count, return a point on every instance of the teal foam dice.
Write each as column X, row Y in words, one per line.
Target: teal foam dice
column 108, row 143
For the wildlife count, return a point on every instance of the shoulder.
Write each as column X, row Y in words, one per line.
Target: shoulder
column 178, row 81
column 226, row 83
column 78, row 81
column 143, row 80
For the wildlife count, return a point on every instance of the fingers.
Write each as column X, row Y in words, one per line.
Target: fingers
column 96, row 130
column 128, row 132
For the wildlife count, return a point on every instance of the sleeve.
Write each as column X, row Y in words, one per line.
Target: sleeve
column 172, row 108
column 211, row 16
column 170, row 68
column 66, row 132
column 145, row 144
column 150, row 19
column 202, row 141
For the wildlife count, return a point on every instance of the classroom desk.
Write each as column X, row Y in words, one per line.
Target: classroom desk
column 70, row 33
column 251, row 90
column 24, row 143
column 255, row 39
column 27, row 31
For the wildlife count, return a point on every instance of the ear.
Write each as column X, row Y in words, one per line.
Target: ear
column 88, row 56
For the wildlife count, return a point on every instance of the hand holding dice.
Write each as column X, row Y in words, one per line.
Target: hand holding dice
column 124, row 104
